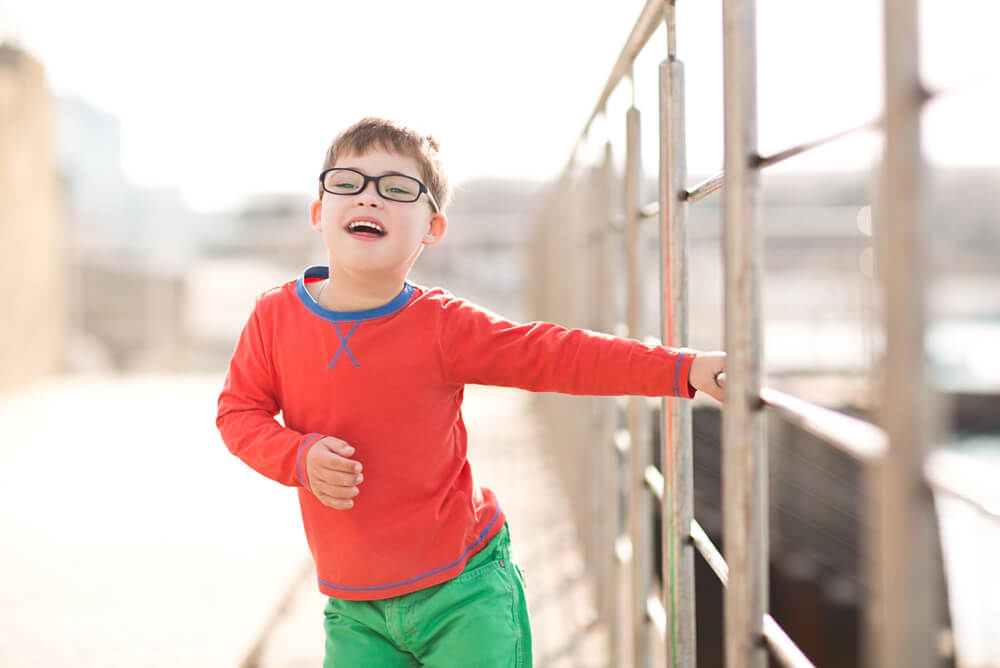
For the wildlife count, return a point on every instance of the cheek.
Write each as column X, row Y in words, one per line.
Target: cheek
column 328, row 220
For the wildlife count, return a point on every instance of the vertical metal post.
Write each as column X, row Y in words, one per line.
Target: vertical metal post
column 609, row 487
column 905, row 544
column 639, row 502
column 744, row 454
column 675, row 417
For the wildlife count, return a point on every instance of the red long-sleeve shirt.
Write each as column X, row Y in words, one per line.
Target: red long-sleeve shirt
column 389, row 381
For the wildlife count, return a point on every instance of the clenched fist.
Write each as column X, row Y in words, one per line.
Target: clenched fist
column 333, row 477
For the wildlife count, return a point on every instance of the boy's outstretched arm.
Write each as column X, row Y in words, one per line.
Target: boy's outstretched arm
column 705, row 373
column 480, row 347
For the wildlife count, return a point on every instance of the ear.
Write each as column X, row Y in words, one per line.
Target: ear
column 316, row 215
column 436, row 229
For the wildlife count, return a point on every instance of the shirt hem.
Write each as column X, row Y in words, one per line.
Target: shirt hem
column 378, row 592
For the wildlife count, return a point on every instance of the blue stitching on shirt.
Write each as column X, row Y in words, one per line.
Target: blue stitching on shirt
column 439, row 569
column 344, row 346
column 298, row 458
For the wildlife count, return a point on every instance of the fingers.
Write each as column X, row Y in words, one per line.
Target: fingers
column 337, row 478
column 338, row 498
column 334, row 456
column 333, row 476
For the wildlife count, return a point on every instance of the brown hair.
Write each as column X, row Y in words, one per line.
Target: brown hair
column 372, row 132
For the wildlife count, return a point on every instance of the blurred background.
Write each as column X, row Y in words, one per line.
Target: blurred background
column 156, row 167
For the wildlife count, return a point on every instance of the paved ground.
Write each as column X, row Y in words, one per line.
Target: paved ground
column 131, row 537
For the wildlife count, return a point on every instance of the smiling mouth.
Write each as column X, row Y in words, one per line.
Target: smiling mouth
column 365, row 228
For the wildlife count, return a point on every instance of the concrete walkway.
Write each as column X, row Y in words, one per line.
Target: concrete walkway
column 131, row 537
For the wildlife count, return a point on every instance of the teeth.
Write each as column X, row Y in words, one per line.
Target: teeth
column 364, row 225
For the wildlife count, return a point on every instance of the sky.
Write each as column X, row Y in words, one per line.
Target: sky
column 224, row 100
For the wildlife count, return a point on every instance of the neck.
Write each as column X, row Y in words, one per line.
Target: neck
column 344, row 292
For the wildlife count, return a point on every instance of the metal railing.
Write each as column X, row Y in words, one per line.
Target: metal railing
column 900, row 619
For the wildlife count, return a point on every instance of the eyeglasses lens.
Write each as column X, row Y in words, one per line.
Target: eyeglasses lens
column 398, row 187
column 342, row 181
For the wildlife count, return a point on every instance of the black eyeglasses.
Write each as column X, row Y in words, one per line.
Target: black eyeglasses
column 395, row 187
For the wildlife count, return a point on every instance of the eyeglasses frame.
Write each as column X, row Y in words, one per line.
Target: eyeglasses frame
column 376, row 180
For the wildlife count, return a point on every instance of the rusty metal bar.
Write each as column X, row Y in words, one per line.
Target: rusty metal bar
column 647, row 23
column 610, row 493
column 905, row 542
column 784, row 650
column 650, row 210
column 639, row 504
column 654, row 481
column 744, row 455
column 707, row 549
column 942, row 480
column 657, row 615
column 859, row 439
column 792, row 151
column 677, row 502
column 705, row 188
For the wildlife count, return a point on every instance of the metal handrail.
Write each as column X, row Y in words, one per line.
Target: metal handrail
column 650, row 18
column 859, row 439
column 705, row 188
column 939, row 480
column 744, row 465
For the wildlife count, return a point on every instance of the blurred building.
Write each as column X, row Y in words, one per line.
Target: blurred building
column 130, row 250
column 32, row 269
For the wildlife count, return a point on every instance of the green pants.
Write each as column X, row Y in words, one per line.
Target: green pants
column 479, row 618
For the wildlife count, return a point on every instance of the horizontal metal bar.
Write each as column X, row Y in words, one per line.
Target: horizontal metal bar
column 773, row 159
column 649, row 20
column 623, row 549
column 705, row 188
column 876, row 124
column 781, row 645
column 784, row 650
column 622, row 440
column 657, row 614
column 712, row 555
column 857, row 438
column 651, row 210
column 941, row 479
column 654, row 480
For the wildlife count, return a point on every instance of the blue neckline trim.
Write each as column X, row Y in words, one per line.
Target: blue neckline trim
column 319, row 271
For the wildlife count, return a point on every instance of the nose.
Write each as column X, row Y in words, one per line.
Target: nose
column 368, row 197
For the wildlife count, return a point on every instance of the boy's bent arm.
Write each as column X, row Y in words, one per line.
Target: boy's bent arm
column 246, row 415
column 482, row 348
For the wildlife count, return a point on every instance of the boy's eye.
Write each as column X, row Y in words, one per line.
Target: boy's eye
column 398, row 190
column 346, row 186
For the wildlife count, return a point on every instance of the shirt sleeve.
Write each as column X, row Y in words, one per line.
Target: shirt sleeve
column 247, row 406
column 480, row 347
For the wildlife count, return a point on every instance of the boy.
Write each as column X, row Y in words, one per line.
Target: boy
column 367, row 370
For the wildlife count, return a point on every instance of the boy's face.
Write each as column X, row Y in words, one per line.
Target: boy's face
column 404, row 227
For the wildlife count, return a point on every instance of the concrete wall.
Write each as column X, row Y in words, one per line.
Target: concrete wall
column 32, row 273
